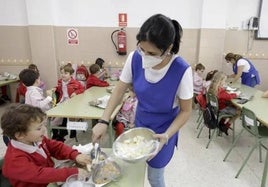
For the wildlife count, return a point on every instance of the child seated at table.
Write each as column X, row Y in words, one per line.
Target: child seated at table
column 126, row 116
column 208, row 80
column 82, row 74
column 102, row 74
column 34, row 94
column 198, row 81
column 224, row 99
column 93, row 79
column 29, row 156
column 66, row 88
column 21, row 89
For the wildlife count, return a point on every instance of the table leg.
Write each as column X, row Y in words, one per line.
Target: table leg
column 264, row 175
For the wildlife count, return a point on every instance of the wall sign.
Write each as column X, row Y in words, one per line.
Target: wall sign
column 122, row 19
column 72, row 36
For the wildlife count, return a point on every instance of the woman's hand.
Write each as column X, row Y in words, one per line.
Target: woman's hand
column 83, row 159
column 163, row 139
column 98, row 131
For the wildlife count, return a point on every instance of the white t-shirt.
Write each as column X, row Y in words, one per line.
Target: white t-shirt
column 185, row 89
column 243, row 62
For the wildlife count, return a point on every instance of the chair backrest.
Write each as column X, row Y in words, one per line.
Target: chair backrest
column 3, row 180
column 213, row 101
column 201, row 100
column 249, row 121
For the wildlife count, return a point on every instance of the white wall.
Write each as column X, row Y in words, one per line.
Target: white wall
column 104, row 13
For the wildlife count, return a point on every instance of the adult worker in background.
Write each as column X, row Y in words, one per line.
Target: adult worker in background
column 243, row 68
column 163, row 84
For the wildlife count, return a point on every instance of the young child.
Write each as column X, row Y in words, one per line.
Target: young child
column 198, row 78
column 224, row 98
column 102, row 74
column 201, row 98
column 21, row 90
column 198, row 81
column 126, row 116
column 208, row 80
column 29, row 156
column 34, row 94
column 82, row 74
column 93, row 79
column 66, row 88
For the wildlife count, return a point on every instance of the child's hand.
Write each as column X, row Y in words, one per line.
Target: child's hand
column 83, row 159
column 49, row 93
column 83, row 173
column 73, row 94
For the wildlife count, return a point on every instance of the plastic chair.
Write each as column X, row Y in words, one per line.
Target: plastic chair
column 213, row 100
column 260, row 133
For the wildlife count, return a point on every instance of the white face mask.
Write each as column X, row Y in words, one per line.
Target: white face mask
column 150, row 61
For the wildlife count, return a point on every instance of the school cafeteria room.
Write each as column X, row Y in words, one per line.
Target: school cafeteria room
column 55, row 39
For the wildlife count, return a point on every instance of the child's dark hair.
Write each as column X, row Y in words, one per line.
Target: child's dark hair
column 162, row 32
column 17, row 118
column 100, row 62
column 199, row 66
column 210, row 75
column 67, row 68
column 94, row 68
column 33, row 67
column 28, row 76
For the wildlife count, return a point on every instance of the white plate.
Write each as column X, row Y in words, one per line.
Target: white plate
column 228, row 88
column 103, row 101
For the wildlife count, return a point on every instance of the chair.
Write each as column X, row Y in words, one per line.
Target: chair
column 260, row 133
column 213, row 100
column 20, row 93
column 201, row 101
column 3, row 181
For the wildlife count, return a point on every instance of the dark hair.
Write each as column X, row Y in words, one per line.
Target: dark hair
column 28, row 76
column 17, row 118
column 33, row 67
column 210, row 75
column 67, row 68
column 199, row 66
column 162, row 32
column 100, row 62
column 94, row 68
column 233, row 56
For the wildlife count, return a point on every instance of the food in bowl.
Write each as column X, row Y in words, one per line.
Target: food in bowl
column 135, row 144
column 106, row 171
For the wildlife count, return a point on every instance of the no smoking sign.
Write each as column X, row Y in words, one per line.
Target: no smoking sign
column 72, row 36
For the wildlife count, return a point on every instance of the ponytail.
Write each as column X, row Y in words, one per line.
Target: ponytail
column 178, row 35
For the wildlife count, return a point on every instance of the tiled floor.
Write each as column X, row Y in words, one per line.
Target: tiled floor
column 195, row 166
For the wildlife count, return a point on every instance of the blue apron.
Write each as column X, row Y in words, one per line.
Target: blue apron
column 155, row 103
column 251, row 78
